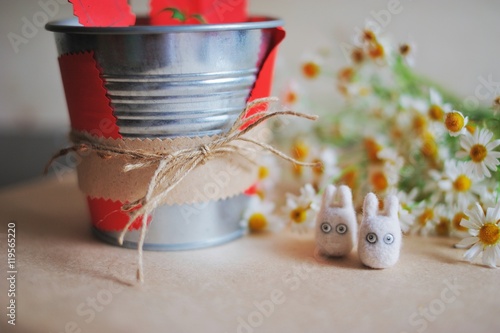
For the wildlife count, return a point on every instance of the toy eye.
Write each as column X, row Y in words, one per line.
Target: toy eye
column 326, row 227
column 341, row 228
column 388, row 238
column 371, row 238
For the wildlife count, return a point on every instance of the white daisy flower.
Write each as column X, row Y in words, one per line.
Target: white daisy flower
column 300, row 150
column 356, row 89
column 437, row 108
column 457, row 230
column 424, row 221
column 327, row 167
column 380, row 50
column 485, row 232
column 325, row 159
column 460, row 185
column 442, row 221
column 291, row 95
column 421, row 122
column 406, row 219
column 406, row 211
column 369, row 34
column 489, row 197
column 259, row 217
column 383, row 179
column 444, row 152
column 431, row 148
column 374, row 144
column 480, row 150
column 408, row 102
column 312, row 66
column 376, row 48
column 455, row 122
column 301, row 210
column 431, row 118
column 425, row 217
column 408, row 51
column 268, row 176
column 391, row 156
column 432, row 185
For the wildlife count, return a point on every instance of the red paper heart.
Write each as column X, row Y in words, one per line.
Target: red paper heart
column 103, row 13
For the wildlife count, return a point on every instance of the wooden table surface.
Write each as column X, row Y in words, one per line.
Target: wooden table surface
column 67, row 281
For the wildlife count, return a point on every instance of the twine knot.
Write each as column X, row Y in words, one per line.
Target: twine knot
column 172, row 168
column 205, row 151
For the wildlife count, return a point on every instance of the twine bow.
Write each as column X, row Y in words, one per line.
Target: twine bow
column 172, row 168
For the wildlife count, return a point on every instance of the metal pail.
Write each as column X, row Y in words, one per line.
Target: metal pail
column 171, row 81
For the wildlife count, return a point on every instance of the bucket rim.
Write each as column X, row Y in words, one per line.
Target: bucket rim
column 72, row 26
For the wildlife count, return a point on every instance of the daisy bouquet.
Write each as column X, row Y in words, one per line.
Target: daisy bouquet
column 394, row 132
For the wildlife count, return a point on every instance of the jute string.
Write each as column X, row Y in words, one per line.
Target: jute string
column 172, row 168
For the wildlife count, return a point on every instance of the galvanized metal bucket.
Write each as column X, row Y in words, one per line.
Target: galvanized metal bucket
column 170, row 81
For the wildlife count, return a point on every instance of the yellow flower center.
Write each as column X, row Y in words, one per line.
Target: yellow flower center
column 457, row 219
column 257, row 222
column 397, row 133
column 319, row 167
column 349, row 178
column 436, row 113
column 372, row 149
column 357, row 55
column 454, row 121
column 346, row 74
column 300, row 151
column 298, row 215
column 443, row 227
column 381, row 205
column 379, row 181
column 297, row 170
column 291, row 97
column 376, row 51
column 489, row 233
column 369, row 36
column 364, row 91
column 263, row 172
column 478, row 153
column 471, row 128
column 311, row 70
column 343, row 89
column 420, row 123
column 404, row 49
column 429, row 146
column 462, row 183
column 427, row 215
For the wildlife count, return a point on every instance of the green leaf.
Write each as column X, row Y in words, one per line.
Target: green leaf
column 200, row 18
column 176, row 13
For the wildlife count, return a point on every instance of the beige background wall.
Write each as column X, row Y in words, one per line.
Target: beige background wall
column 457, row 43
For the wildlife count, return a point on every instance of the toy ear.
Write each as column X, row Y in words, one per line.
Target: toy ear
column 391, row 205
column 370, row 205
column 328, row 196
column 345, row 195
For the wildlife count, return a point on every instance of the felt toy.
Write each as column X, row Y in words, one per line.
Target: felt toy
column 336, row 226
column 380, row 235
